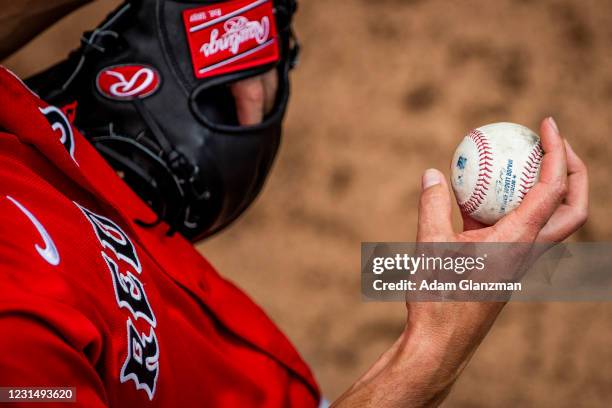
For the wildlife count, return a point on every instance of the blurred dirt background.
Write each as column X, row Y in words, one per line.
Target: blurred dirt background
column 385, row 89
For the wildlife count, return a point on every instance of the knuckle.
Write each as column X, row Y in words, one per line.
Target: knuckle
column 558, row 189
column 430, row 200
column 582, row 215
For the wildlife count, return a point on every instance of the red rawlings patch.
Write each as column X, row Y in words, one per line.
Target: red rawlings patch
column 126, row 82
column 231, row 36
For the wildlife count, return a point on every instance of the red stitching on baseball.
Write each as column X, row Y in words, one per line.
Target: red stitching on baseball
column 485, row 157
column 528, row 177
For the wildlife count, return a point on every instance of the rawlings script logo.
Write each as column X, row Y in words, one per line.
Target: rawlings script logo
column 128, row 81
column 238, row 30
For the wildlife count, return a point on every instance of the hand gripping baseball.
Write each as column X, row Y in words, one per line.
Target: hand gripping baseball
column 553, row 209
column 439, row 338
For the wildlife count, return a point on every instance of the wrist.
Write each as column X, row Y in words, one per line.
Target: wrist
column 423, row 364
column 441, row 339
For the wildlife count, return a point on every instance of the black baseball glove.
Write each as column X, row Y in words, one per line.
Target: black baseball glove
column 149, row 87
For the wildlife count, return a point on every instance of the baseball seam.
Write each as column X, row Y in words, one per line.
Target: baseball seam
column 485, row 158
column 530, row 171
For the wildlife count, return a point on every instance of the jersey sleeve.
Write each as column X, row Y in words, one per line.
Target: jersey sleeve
column 49, row 345
column 47, row 335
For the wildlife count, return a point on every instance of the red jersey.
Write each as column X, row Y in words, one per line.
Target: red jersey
column 127, row 315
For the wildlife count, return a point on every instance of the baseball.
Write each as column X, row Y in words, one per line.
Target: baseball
column 493, row 168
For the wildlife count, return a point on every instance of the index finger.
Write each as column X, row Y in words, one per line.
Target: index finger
column 526, row 221
column 249, row 95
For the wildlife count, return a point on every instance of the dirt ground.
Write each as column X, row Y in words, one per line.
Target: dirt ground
column 386, row 89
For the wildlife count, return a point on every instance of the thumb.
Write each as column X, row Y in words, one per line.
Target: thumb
column 434, row 208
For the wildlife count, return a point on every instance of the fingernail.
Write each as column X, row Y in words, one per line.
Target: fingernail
column 553, row 124
column 431, row 177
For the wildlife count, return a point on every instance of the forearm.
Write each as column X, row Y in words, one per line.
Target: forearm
column 421, row 367
column 20, row 21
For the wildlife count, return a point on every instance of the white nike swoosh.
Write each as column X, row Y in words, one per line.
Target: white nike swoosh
column 49, row 252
